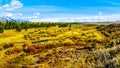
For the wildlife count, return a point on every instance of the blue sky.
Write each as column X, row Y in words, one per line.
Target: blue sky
column 42, row 10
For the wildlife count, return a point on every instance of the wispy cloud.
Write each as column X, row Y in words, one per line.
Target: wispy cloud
column 77, row 18
column 37, row 13
column 112, row 3
column 8, row 14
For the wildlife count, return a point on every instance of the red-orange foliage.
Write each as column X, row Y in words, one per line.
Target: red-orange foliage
column 30, row 49
column 78, row 42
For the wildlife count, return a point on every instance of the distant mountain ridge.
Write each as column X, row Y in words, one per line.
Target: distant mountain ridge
column 4, row 19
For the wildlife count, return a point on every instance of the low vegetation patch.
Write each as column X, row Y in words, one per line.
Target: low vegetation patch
column 59, row 45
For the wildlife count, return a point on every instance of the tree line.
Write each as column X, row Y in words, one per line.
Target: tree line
column 26, row 25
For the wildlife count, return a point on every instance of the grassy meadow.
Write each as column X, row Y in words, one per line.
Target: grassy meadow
column 60, row 46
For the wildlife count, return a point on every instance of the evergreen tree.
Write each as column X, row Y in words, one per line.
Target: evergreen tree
column 18, row 28
column 26, row 27
column 1, row 29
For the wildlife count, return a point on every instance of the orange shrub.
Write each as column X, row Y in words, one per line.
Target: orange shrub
column 30, row 49
column 18, row 49
column 78, row 42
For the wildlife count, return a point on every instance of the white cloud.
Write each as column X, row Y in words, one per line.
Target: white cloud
column 6, row 6
column 11, row 15
column 7, row 14
column 33, row 17
column 37, row 14
column 19, row 14
column 100, row 13
column 105, row 18
column 14, row 4
column 0, row 7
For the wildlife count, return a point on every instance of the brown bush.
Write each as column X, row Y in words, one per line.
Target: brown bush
column 11, row 44
column 25, row 45
column 31, row 49
column 66, row 44
column 25, row 36
column 8, row 45
column 39, row 46
column 78, row 42
column 26, row 66
column 50, row 45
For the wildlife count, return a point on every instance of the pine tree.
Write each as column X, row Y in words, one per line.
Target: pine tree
column 18, row 28
column 1, row 29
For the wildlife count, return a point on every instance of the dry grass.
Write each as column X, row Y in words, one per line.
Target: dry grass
column 75, row 47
